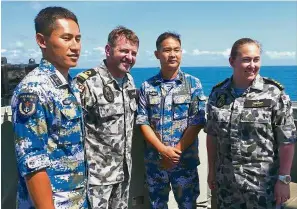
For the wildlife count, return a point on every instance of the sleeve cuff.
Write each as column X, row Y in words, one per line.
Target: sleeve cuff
column 33, row 163
column 142, row 120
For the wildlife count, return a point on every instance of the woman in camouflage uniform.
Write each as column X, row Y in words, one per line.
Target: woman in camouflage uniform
column 250, row 134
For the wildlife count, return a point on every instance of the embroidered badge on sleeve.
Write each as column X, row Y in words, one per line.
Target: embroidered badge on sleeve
column 27, row 104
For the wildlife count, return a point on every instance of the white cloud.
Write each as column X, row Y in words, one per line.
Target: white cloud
column 85, row 53
column 36, row 5
column 3, row 50
column 101, row 49
column 225, row 53
column 150, row 54
column 19, row 44
column 184, row 51
column 33, row 53
column 281, row 55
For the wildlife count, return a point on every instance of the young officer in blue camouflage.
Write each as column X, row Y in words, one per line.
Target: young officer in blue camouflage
column 47, row 119
column 250, row 135
column 108, row 95
column 171, row 113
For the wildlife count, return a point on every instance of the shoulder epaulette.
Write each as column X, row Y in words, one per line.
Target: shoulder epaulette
column 273, row 82
column 220, row 84
column 83, row 76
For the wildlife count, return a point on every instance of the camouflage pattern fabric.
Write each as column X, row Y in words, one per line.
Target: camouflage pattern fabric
column 248, row 131
column 184, row 183
column 109, row 119
column 109, row 196
column 169, row 111
column 47, row 119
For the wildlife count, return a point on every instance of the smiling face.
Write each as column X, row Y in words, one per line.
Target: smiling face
column 121, row 57
column 62, row 47
column 246, row 64
column 169, row 54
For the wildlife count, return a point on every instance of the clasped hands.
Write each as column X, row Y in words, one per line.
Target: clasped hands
column 170, row 156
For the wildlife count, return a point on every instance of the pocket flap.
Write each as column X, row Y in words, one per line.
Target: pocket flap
column 110, row 109
column 181, row 99
column 154, row 100
column 70, row 111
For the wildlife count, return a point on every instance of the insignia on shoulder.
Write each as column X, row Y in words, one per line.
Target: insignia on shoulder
column 221, row 100
column 108, row 94
column 27, row 103
column 82, row 77
column 274, row 82
column 220, row 83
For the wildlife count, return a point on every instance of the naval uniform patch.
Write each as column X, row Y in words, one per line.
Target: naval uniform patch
column 221, row 100
column 108, row 94
column 132, row 93
column 27, row 103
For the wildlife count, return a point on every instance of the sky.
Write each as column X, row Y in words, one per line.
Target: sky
column 208, row 29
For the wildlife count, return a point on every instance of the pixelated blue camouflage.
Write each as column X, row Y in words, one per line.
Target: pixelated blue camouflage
column 169, row 108
column 170, row 113
column 248, row 130
column 49, row 135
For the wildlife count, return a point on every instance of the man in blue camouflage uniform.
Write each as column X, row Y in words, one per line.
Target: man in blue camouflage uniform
column 47, row 119
column 171, row 113
column 250, row 135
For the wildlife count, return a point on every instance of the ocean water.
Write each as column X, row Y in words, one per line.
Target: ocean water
column 209, row 76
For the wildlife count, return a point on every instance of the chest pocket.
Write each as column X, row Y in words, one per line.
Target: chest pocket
column 255, row 121
column 221, row 120
column 110, row 111
column 154, row 106
column 68, row 125
column 180, row 106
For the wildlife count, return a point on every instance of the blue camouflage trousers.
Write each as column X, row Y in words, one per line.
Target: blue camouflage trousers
column 183, row 181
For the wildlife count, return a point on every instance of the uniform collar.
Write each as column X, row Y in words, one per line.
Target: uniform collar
column 55, row 76
column 179, row 78
column 258, row 83
column 108, row 78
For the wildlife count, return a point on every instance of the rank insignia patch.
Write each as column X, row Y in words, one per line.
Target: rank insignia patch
column 27, row 104
column 108, row 94
column 221, row 100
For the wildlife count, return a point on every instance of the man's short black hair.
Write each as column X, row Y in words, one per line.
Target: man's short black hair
column 166, row 35
column 46, row 18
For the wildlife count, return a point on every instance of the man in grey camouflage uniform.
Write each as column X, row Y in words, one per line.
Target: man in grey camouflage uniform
column 250, row 135
column 108, row 95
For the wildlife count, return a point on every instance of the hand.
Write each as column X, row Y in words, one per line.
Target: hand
column 172, row 153
column 211, row 180
column 166, row 163
column 281, row 192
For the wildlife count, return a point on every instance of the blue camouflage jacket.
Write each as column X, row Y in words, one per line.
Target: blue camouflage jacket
column 47, row 119
column 170, row 111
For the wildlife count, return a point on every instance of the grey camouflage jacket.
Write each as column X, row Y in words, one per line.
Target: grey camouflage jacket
column 249, row 130
column 109, row 120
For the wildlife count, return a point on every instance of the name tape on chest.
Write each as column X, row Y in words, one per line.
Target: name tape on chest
column 257, row 103
column 153, row 93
